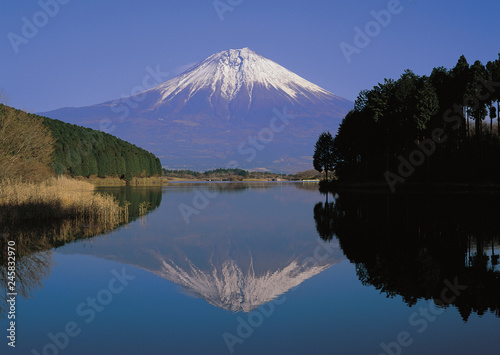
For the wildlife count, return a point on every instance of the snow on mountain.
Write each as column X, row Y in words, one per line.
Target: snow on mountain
column 229, row 71
column 206, row 117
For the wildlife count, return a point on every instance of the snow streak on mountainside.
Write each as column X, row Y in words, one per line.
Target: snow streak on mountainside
column 207, row 116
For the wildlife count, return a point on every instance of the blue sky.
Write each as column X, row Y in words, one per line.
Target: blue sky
column 92, row 51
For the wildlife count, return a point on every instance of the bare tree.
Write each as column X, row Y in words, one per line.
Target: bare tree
column 26, row 145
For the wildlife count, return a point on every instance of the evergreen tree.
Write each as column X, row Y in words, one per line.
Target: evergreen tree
column 396, row 121
column 323, row 158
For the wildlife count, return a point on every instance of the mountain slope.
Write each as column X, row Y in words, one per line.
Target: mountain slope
column 235, row 108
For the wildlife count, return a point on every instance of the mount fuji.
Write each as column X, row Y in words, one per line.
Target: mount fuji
column 233, row 109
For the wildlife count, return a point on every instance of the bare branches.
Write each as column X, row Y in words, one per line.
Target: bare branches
column 26, row 145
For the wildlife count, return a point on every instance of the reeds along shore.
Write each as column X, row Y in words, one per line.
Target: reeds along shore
column 57, row 199
column 38, row 216
column 116, row 181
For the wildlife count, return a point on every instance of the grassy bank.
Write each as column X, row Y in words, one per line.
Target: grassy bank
column 57, row 199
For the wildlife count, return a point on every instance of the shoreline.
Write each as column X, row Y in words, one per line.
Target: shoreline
column 116, row 181
column 160, row 181
column 57, row 199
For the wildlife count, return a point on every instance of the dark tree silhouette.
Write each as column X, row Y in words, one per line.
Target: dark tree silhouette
column 478, row 98
column 323, row 153
column 323, row 219
column 397, row 120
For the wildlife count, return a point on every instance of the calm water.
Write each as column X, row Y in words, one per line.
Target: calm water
column 269, row 268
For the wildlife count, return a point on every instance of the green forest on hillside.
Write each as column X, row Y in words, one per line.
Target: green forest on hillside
column 31, row 143
column 32, row 198
column 83, row 151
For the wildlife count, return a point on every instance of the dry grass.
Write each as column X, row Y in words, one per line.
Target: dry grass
column 116, row 181
column 148, row 181
column 57, row 199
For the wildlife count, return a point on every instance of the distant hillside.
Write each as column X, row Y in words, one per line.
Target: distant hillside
column 237, row 175
column 80, row 151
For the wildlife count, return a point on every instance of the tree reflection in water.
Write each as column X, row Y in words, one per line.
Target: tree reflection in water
column 34, row 242
column 409, row 244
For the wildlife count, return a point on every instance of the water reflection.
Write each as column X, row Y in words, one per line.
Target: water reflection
column 242, row 251
column 323, row 218
column 31, row 269
column 34, row 242
column 408, row 244
column 136, row 195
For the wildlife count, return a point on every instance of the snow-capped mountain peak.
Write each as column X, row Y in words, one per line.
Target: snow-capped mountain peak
column 201, row 119
column 227, row 72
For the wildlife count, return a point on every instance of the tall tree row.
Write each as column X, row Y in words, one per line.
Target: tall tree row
column 398, row 117
column 80, row 151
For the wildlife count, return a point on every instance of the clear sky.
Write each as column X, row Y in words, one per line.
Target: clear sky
column 84, row 52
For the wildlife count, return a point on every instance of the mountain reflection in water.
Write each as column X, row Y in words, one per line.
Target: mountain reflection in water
column 228, row 256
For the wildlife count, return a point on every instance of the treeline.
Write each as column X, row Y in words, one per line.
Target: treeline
column 221, row 174
column 204, row 175
column 424, row 128
column 34, row 147
column 80, row 151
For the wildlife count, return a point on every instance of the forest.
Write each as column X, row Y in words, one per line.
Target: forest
column 80, row 151
column 31, row 143
column 440, row 128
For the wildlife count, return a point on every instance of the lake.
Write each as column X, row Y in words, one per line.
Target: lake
column 266, row 268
